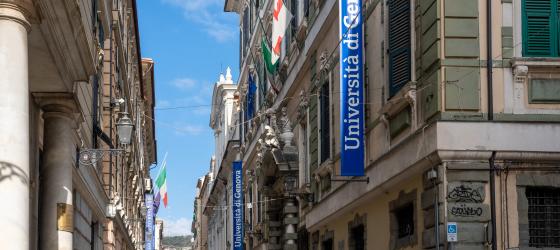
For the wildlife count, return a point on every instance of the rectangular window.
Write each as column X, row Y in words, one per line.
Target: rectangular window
column 399, row 45
column 294, row 22
column 327, row 244
column 544, row 217
column 303, row 239
column 405, row 220
column 324, row 99
column 540, row 27
column 357, row 240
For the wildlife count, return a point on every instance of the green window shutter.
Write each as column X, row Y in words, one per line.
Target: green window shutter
column 313, row 133
column 540, row 28
column 399, row 46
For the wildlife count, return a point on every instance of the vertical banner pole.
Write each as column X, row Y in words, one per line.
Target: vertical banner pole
column 351, row 88
column 237, row 208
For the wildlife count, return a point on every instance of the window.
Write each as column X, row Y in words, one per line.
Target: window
column 303, row 239
column 245, row 32
column 328, row 244
column 544, row 217
column 357, row 240
column 405, row 220
column 295, row 19
column 399, row 45
column 250, row 220
column 324, row 99
column 540, row 27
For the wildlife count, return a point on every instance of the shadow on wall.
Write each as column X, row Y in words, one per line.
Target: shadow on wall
column 9, row 171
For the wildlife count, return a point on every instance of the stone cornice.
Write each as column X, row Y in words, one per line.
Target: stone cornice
column 59, row 104
column 20, row 11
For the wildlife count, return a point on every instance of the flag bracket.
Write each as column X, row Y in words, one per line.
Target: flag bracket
column 90, row 157
column 339, row 178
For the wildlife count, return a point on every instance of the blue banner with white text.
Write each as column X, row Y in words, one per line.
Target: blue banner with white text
column 149, row 235
column 237, row 208
column 351, row 88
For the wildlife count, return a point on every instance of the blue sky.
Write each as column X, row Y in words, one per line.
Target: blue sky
column 191, row 42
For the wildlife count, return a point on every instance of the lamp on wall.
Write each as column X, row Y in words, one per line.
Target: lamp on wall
column 124, row 129
column 290, row 185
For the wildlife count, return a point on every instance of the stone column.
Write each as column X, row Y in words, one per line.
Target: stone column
column 59, row 159
column 14, row 126
column 290, row 223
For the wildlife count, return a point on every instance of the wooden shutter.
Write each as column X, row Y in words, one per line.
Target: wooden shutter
column 325, row 122
column 540, row 27
column 313, row 133
column 399, row 45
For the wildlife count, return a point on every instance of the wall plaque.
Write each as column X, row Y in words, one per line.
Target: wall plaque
column 65, row 217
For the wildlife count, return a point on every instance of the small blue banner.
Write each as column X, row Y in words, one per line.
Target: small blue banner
column 149, row 235
column 351, row 88
column 237, row 208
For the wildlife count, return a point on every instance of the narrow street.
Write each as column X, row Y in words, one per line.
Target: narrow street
column 280, row 124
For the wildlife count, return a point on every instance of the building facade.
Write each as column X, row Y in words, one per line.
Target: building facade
column 158, row 241
column 77, row 138
column 199, row 226
column 462, row 114
column 217, row 208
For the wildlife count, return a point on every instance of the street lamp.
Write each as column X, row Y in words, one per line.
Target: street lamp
column 290, row 186
column 124, row 129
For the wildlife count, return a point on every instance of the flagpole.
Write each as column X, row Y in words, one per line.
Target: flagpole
column 162, row 164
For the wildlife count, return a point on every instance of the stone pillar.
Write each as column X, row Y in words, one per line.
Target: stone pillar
column 14, row 126
column 59, row 159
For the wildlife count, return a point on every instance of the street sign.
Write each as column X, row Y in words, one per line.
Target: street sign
column 451, row 231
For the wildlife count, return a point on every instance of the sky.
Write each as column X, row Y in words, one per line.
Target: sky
column 191, row 42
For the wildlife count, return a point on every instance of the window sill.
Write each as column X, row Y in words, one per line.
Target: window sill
column 324, row 169
column 536, row 61
column 405, row 97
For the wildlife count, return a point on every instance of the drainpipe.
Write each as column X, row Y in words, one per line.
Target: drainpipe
column 493, row 198
column 111, row 109
column 489, row 60
column 489, row 68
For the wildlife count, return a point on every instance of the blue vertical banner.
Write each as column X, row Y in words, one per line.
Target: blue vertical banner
column 237, row 208
column 351, row 88
column 149, row 233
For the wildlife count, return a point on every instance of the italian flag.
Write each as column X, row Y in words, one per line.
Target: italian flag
column 161, row 183
column 267, row 54
column 280, row 22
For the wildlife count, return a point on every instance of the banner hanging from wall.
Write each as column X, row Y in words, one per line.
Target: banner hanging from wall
column 237, row 208
column 149, row 233
column 351, row 88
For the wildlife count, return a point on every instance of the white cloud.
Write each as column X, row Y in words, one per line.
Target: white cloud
column 189, row 129
column 209, row 15
column 184, row 83
column 176, row 227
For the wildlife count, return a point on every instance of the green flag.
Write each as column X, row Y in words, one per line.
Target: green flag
column 267, row 54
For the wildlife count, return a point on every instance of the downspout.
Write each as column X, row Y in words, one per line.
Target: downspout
column 111, row 109
column 489, row 68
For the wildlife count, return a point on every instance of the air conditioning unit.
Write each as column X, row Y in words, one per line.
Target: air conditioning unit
column 148, row 184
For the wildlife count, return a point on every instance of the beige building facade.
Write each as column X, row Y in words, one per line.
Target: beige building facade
column 199, row 226
column 440, row 147
column 77, row 135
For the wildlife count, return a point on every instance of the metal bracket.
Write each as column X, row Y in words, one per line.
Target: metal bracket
column 351, row 178
column 89, row 157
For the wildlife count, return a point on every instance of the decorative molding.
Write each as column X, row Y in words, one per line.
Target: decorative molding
column 520, row 73
column 302, row 106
